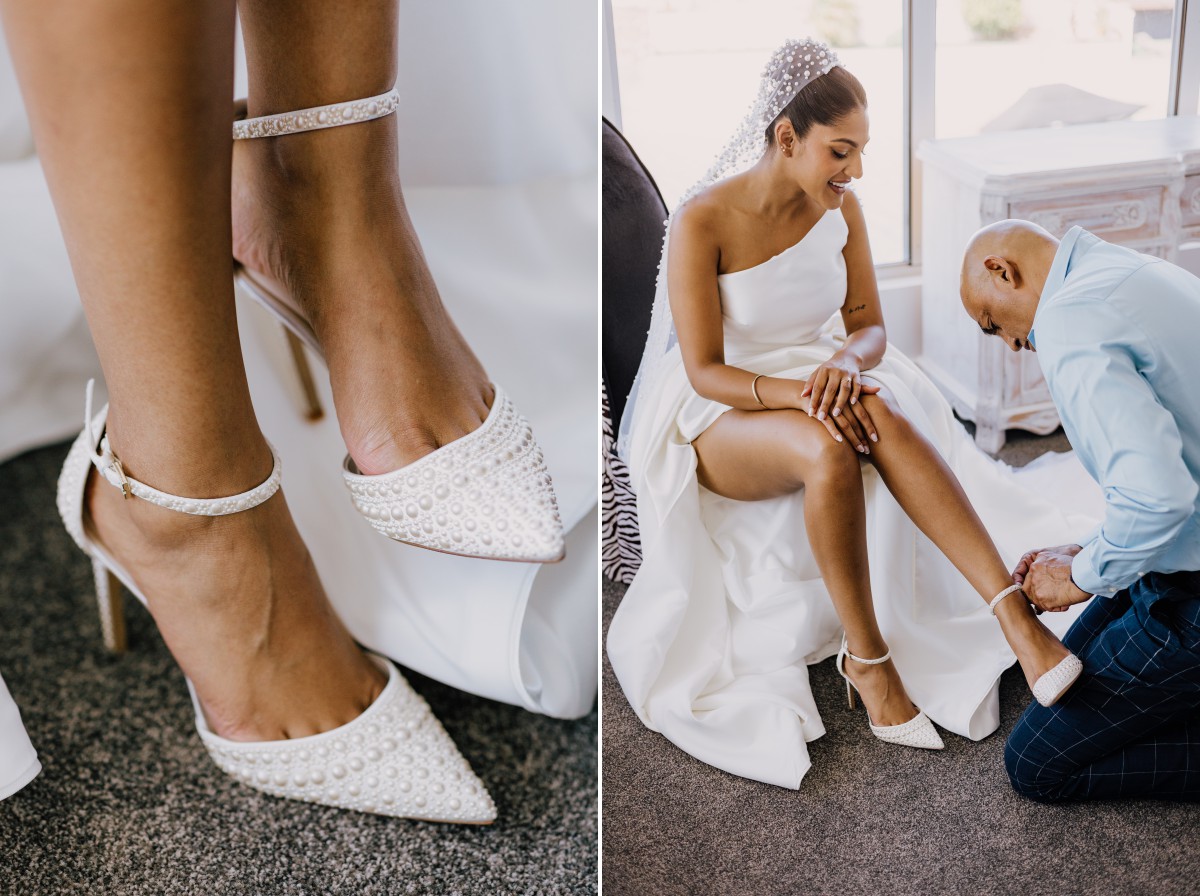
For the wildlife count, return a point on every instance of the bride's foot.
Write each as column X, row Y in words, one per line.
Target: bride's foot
column 322, row 214
column 241, row 608
column 881, row 691
column 1037, row 649
column 892, row 716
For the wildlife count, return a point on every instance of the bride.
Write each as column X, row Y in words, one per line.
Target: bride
column 759, row 429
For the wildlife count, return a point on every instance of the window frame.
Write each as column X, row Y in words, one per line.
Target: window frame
column 920, row 77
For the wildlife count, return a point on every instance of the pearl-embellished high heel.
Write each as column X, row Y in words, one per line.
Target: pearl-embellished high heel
column 394, row 759
column 916, row 732
column 487, row 494
column 1051, row 685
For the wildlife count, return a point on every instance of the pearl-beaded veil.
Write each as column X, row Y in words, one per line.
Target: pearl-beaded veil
column 790, row 69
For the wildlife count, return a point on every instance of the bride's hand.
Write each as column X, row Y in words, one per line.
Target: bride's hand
column 833, row 391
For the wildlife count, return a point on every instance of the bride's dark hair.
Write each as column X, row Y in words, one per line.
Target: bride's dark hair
column 825, row 101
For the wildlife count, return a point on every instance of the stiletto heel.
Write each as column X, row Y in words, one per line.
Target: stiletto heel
column 916, row 732
column 304, row 377
column 111, row 605
column 394, row 759
column 287, row 355
column 1052, row 685
column 487, row 494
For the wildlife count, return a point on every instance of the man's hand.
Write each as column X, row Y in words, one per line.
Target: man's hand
column 1045, row 576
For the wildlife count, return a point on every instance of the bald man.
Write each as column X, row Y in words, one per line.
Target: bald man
column 1117, row 335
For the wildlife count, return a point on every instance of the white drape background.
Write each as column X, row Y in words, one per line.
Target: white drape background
column 498, row 130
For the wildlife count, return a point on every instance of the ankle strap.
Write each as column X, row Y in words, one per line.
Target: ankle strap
column 999, row 597
column 109, row 466
column 331, row 116
column 858, row 659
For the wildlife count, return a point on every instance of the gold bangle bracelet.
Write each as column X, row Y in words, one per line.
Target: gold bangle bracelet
column 754, row 390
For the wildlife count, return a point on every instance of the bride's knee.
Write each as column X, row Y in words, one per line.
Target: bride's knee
column 883, row 408
column 829, row 461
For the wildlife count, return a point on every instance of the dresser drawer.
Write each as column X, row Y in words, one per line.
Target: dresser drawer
column 1119, row 216
column 1189, row 201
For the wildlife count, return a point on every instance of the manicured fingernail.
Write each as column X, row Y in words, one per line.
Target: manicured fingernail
column 810, row 410
column 853, row 399
column 874, row 438
column 836, row 411
column 820, row 415
column 839, row 438
column 866, row 450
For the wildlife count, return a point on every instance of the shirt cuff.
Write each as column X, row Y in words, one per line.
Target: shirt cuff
column 1085, row 577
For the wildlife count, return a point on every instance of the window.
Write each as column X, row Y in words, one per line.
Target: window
column 688, row 69
column 1004, row 65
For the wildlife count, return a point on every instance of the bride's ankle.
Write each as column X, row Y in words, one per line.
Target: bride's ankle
column 201, row 455
column 324, row 163
column 1036, row 647
column 116, row 514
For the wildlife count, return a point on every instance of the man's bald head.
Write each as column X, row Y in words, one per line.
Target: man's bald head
column 1003, row 271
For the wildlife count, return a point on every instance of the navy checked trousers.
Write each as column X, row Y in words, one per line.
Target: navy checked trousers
column 1130, row 727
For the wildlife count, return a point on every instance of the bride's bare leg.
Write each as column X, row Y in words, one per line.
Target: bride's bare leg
column 130, row 105
column 750, row 456
column 323, row 213
column 930, row 494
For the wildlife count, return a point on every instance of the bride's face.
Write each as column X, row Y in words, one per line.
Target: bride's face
column 830, row 156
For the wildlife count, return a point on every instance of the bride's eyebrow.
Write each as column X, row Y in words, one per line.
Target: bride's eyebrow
column 844, row 140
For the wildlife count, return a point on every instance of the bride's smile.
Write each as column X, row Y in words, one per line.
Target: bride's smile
column 829, row 158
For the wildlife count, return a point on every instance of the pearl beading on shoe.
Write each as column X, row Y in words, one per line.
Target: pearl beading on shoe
column 109, row 467
column 995, row 601
column 487, row 494
column 917, row 732
column 394, row 759
column 318, row 117
column 1050, row 686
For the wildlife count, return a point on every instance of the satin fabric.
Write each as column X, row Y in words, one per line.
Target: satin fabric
column 712, row 641
column 521, row 633
column 18, row 760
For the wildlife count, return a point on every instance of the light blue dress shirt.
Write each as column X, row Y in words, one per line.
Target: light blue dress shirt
column 1117, row 335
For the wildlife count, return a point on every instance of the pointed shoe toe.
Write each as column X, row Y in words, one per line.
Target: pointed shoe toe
column 1051, row 686
column 916, row 732
column 487, row 494
column 395, row 759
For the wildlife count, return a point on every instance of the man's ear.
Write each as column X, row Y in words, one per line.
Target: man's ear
column 1002, row 272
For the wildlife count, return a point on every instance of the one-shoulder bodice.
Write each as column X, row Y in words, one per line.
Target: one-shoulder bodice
column 787, row 299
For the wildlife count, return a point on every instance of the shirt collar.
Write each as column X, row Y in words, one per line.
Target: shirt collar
column 1059, row 268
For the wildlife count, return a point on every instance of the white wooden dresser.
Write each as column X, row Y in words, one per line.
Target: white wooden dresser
column 1136, row 183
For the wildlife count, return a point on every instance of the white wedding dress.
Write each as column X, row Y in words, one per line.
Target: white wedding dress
column 712, row 641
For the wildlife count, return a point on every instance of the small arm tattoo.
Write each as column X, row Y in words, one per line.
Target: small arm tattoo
column 856, row 308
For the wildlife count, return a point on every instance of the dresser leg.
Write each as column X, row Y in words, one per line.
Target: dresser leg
column 989, row 436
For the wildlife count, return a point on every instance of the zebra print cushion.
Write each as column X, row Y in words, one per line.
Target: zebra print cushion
column 622, row 548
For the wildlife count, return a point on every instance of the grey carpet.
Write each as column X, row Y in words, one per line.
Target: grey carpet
column 872, row 818
column 128, row 802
